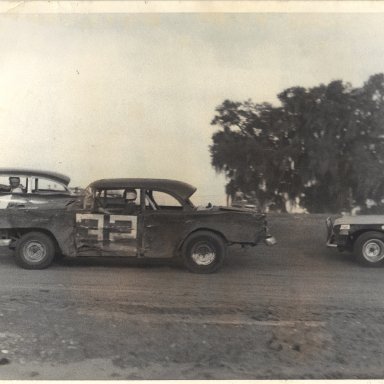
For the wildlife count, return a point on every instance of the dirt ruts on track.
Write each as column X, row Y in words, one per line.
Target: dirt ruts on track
column 294, row 311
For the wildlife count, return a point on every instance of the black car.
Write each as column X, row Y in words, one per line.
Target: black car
column 362, row 235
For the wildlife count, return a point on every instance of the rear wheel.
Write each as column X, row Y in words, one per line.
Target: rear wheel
column 203, row 252
column 369, row 249
column 35, row 250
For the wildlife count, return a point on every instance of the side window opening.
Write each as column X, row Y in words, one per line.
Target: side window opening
column 149, row 203
column 158, row 200
column 13, row 184
column 117, row 201
column 42, row 185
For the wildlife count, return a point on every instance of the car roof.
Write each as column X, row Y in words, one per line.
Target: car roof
column 37, row 173
column 180, row 188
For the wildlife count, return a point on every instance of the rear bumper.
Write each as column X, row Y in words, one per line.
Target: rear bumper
column 270, row 240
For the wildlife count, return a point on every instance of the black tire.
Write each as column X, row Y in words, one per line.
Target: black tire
column 34, row 250
column 369, row 249
column 203, row 252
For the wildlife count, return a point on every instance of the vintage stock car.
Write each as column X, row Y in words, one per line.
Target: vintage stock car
column 33, row 189
column 362, row 235
column 143, row 218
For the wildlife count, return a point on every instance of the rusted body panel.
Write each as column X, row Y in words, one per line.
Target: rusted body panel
column 164, row 232
column 160, row 234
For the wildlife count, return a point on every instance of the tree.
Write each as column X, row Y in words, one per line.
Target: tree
column 322, row 147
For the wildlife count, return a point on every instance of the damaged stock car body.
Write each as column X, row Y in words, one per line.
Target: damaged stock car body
column 143, row 218
column 38, row 219
column 363, row 235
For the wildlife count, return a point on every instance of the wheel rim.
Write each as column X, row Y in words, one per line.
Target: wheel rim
column 373, row 250
column 203, row 253
column 34, row 251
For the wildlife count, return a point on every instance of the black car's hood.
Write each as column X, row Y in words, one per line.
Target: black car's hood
column 362, row 219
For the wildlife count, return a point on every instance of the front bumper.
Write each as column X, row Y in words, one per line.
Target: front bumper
column 330, row 234
column 336, row 237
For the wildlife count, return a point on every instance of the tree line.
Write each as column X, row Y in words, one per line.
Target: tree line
column 321, row 149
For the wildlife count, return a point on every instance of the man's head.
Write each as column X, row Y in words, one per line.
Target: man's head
column 14, row 181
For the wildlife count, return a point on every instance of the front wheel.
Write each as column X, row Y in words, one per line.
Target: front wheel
column 203, row 252
column 369, row 249
column 35, row 250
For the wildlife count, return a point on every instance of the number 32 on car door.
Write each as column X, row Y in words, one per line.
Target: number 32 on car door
column 109, row 232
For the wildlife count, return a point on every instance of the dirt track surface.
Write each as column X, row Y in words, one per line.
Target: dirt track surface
column 294, row 311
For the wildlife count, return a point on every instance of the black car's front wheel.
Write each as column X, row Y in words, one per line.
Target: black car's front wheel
column 34, row 250
column 203, row 252
column 369, row 249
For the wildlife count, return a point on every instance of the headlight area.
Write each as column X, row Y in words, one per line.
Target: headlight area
column 344, row 229
column 341, row 236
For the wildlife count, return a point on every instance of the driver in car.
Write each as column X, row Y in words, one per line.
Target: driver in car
column 15, row 186
column 130, row 202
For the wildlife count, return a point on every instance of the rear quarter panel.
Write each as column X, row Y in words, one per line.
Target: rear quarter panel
column 236, row 227
column 164, row 232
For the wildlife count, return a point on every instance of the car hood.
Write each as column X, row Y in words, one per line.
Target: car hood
column 363, row 219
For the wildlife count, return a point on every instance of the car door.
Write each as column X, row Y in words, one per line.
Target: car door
column 108, row 227
column 163, row 225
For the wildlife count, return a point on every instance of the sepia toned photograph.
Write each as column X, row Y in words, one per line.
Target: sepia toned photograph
column 191, row 190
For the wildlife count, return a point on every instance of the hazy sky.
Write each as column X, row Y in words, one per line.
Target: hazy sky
column 132, row 95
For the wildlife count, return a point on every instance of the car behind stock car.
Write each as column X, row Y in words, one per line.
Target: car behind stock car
column 143, row 218
column 363, row 235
